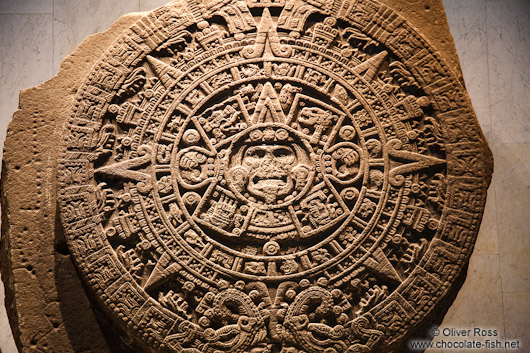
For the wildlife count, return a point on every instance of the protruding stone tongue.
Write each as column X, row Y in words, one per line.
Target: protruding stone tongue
column 270, row 188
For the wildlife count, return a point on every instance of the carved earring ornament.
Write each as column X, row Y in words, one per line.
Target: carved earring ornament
column 271, row 176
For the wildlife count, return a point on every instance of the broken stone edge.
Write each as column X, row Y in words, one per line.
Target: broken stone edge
column 73, row 66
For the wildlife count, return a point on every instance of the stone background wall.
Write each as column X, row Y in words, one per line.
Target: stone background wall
column 493, row 40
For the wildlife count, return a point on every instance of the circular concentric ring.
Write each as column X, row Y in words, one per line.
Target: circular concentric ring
column 270, row 177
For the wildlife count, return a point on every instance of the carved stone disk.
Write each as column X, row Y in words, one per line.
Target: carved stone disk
column 271, row 176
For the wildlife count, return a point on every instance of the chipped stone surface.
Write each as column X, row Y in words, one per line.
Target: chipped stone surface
column 45, row 300
column 262, row 193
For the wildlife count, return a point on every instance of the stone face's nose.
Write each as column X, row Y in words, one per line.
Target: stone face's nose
column 210, row 168
column 268, row 163
column 269, row 156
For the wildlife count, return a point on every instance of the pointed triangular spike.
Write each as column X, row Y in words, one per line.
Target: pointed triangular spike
column 380, row 264
column 128, row 169
column 370, row 67
column 166, row 73
column 163, row 270
column 409, row 162
column 268, row 109
column 267, row 43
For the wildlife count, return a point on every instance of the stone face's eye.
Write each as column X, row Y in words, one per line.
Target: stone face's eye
column 254, row 154
column 281, row 152
column 277, row 158
column 284, row 155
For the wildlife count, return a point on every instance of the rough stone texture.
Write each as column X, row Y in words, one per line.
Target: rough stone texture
column 33, row 203
column 44, row 297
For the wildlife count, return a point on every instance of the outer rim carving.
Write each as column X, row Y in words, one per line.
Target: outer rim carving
column 382, row 188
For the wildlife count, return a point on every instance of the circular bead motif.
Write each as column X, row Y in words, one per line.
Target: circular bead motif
column 271, row 177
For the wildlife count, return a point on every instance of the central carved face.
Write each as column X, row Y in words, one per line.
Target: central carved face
column 270, row 169
column 269, row 166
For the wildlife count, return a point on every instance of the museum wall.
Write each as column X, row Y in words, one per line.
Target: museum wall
column 492, row 38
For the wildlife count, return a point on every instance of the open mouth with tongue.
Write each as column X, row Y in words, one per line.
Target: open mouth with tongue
column 270, row 190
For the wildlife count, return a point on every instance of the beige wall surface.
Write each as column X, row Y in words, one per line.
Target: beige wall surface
column 493, row 40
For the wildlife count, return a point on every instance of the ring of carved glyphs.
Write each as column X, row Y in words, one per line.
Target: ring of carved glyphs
column 257, row 176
